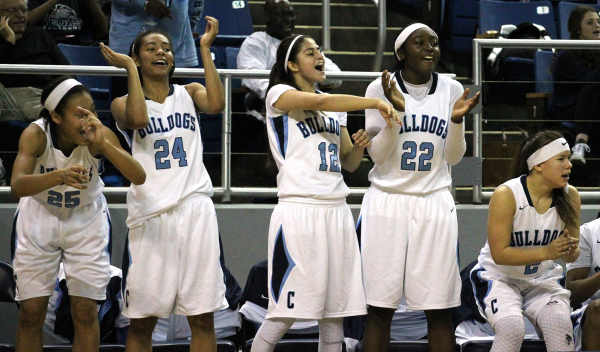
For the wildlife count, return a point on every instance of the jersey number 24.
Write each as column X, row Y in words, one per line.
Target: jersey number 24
column 178, row 153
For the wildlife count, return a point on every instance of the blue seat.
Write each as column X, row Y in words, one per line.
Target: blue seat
column 493, row 14
column 99, row 85
column 231, row 55
column 564, row 10
column 543, row 71
column 463, row 18
column 235, row 21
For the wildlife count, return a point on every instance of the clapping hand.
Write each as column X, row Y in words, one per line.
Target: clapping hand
column 391, row 92
column 464, row 105
column 212, row 29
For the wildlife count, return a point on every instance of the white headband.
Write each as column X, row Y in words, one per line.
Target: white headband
column 405, row 33
column 287, row 56
column 58, row 93
column 546, row 152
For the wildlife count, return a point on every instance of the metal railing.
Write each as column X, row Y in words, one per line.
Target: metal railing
column 478, row 61
column 226, row 190
column 381, row 31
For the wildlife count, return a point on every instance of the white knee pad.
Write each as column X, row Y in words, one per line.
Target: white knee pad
column 510, row 332
column 555, row 322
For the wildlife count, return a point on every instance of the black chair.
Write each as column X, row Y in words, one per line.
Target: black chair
column 7, row 348
column 296, row 345
column 69, row 347
column 528, row 346
column 222, row 346
column 8, row 285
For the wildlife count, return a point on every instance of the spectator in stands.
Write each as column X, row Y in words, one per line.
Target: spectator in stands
column 128, row 18
column 22, row 44
column 583, row 282
column 577, row 77
column 77, row 22
column 258, row 53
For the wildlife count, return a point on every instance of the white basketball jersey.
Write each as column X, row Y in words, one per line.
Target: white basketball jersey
column 170, row 151
column 305, row 146
column 63, row 196
column 589, row 249
column 417, row 165
column 530, row 229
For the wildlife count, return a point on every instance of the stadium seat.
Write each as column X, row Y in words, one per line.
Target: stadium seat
column 543, row 71
column 564, row 10
column 485, row 346
column 296, row 345
column 231, row 55
column 7, row 348
column 493, row 14
column 99, row 85
column 462, row 24
column 235, row 21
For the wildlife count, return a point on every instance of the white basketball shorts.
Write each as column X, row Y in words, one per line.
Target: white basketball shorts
column 172, row 263
column 314, row 262
column 409, row 246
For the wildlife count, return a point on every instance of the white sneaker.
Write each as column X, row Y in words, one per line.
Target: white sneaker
column 578, row 156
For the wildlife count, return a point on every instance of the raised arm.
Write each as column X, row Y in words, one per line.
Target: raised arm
column 500, row 219
column 34, row 16
column 105, row 142
column 129, row 111
column 210, row 99
column 32, row 144
column 383, row 139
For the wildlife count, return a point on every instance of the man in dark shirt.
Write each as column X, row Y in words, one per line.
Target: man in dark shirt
column 20, row 44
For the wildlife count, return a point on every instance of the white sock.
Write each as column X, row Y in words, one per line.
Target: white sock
column 331, row 335
column 510, row 332
column 269, row 334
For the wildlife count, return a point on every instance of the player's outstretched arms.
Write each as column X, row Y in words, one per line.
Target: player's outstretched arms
column 32, row 144
column 104, row 142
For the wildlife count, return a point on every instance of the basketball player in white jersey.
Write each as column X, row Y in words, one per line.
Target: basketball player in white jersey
column 62, row 214
column 533, row 219
column 173, row 243
column 583, row 280
column 408, row 223
column 314, row 262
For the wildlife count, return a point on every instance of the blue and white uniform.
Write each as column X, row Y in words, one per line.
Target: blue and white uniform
column 172, row 220
column 589, row 245
column 511, row 290
column 314, row 261
column 408, row 225
column 62, row 224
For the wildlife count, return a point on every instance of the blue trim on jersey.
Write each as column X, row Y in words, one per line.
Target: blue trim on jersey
column 171, row 91
column 14, row 237
column 458, row 255
column 523, row 180
column 280, row 127
column 127, row 260
column 128, row 134
column 358, row 232
column 434, row 83
column 108, row 248
column 282, row 265
column 481, row 288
